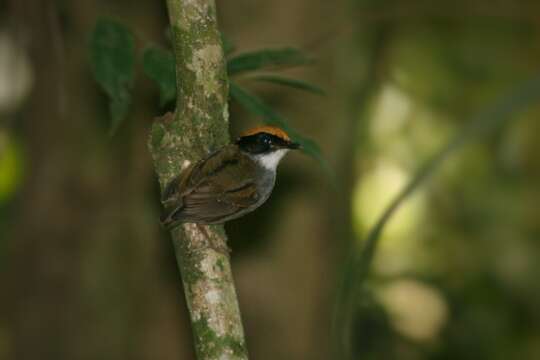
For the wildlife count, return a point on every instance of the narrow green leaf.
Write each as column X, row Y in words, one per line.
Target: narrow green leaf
column 256, row 106
column 293, row 83
column 112, row 58
column 158, row 64
column 267, row 58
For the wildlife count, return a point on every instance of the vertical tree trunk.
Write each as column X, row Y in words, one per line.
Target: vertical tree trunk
column 199, row 126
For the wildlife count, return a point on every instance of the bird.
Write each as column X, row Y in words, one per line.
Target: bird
column 228, row 183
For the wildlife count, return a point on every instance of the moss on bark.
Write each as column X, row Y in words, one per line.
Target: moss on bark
column 199, row 126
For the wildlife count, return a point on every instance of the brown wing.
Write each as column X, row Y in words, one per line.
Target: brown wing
column 217, row 188
column 203, row 208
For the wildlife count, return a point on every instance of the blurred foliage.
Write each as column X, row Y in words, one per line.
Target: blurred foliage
column 11, row 176
column 473, row 217
column 112, row 57
column 254, row 105
column 158, row 64
column 266, row 59
column 292, row 83
column 11, row 166
column 511, row 104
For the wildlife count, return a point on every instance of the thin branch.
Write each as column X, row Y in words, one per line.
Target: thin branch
column 199, row 126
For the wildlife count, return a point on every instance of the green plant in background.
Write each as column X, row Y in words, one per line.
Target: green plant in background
column 11, row 167
column 248, row 63
column 158, row 65
column 113, row 58
column 359, row 263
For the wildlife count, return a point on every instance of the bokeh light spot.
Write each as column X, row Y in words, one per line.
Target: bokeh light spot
column 416, row 310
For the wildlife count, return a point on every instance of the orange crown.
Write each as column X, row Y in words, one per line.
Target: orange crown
column 267, row 129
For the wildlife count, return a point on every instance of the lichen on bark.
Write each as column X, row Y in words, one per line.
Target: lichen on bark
column 199, row 126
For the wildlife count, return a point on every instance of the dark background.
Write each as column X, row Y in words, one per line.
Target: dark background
column 87, row 273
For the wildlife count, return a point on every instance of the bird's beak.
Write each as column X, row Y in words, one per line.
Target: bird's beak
column 294, row 145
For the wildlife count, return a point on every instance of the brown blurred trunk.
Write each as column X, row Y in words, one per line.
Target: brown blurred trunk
column 46, row 240
column 84, row 250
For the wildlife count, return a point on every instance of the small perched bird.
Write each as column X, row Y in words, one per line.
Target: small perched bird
column 230, row 182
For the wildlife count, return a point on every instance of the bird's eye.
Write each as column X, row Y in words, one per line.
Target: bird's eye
column 265, row 140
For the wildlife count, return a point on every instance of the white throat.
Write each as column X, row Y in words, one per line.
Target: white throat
column 271, row 160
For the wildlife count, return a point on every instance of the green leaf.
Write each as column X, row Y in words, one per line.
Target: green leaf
column 267, row 58
column 158, row 64
column 293, row 83
column 256, row 106
column 112, row 58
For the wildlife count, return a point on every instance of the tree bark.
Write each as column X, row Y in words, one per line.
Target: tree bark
column 199, row 126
